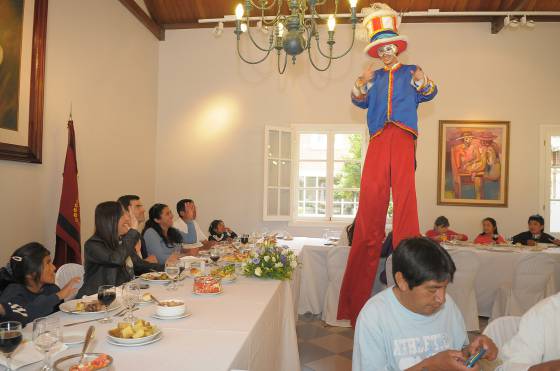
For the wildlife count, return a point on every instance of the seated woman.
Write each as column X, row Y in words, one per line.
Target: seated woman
column 33, row 293
column 489, row 233
column 161, row 236
column 442, row 233
column 219, row 232
column 111, row 254
column 535, row 234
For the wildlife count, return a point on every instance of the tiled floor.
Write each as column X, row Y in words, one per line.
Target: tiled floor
column 327, row 348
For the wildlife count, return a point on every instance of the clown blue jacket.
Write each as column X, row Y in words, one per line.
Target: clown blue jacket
column 392, row 96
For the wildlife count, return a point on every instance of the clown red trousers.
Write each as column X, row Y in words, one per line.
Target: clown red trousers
column 389, row 164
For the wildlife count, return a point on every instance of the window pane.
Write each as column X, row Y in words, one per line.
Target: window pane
column 311, row 195
column 273, row 143
column 285, row 202
column 347, row 146
column 273, row 173
column 347, row 174
column 285, row 173
column 313, row 146
column 272, row 207
column 286, row 140
column 345, row 203
column 312, row 172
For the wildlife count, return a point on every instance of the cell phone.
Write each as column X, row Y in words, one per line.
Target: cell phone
column 474, row 358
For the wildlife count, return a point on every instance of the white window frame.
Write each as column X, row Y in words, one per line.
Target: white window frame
column 280, row 129
column 546, row 131
column 330, row 130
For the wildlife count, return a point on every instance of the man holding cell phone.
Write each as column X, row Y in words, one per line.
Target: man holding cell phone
column 414, row 325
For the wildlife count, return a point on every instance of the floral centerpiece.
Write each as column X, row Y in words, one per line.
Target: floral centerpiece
column 270, row 261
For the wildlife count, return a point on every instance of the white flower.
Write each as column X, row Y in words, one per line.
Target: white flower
column 293, row 264
column 278, row 265
column 244, row 264
column 285, row 252
column 258, row 271
column 273, row 259
column 266, row 258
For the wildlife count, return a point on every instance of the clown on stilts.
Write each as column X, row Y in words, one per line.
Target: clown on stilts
column 391, row 95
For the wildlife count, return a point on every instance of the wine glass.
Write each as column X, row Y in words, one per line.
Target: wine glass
column 10, row 338
column 106, row 294
column 130, row 297
column 172, row 270
column 325, row 234
column 46, row 334
column 215, row 254
column 244, row 239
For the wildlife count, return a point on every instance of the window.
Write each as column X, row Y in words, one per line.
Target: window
column 277, row 172
column 550, row 179
column 327, row 172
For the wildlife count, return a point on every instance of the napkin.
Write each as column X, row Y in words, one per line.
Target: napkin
column 27, row 354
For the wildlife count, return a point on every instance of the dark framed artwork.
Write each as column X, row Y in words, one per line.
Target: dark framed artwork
column 473, row 162
column 23, row 31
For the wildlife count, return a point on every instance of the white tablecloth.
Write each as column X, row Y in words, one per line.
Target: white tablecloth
column 250, row 326
column 497, row 269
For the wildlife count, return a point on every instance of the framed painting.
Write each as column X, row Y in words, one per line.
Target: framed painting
column 473, row 162
column 23, row 29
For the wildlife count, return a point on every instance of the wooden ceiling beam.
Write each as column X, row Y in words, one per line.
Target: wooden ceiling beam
column 140, row 14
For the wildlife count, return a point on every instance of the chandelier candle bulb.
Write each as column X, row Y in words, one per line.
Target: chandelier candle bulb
column 331, row 23
column 353, row 3
column 239, row 12
column 243, row 27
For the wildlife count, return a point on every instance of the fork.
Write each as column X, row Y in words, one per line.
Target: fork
column 120, row 314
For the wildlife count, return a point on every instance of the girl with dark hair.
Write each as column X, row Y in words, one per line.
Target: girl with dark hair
column 442, row 233
column 219, row 232
column 535, row 234
column 111, row 256
column 159, row 233
column 490, row 234
column 33, row 291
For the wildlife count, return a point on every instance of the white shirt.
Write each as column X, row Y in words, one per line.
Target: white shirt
column 182, row 226
column 538, row 339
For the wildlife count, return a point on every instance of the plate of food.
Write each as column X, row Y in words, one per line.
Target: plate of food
column 236, row 257
column 91, row 362
column 139, row 333
column 84, row 306
column 207, row 285
column 193, row 272
column 156, row 277
column 226, row 273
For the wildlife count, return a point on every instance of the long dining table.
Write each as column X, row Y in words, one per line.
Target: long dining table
column 250, row 326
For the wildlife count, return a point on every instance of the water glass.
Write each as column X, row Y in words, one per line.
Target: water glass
column 172, row 270
column 130, row 297
column 47, row 333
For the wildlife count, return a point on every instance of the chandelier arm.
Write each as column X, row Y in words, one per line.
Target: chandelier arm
column 264, row 7
column 313, row 63
column 270, row 44
column 281, row 71
column 248, row 61
column 276, row 18
column 338, row 56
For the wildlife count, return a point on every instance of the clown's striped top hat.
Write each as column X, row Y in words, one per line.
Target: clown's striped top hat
column 381, row 23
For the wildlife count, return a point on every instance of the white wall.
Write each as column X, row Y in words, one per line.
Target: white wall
column 100, row 58
column 213, row 109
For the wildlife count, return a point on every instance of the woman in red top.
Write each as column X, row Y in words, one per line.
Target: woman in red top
column 442, row 233
column 489, row 233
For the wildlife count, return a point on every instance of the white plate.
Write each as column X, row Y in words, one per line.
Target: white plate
column 139, row 341
column 145, row 275
column 70, row 338
column 70, row 306
column 209, row 294
column 152, row 340
column 192, row 245
column 184, row 315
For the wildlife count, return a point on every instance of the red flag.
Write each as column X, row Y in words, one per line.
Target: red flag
column 68, row 245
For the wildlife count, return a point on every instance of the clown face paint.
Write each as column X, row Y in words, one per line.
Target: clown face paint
column 389, row 50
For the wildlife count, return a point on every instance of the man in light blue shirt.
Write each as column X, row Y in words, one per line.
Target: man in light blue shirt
column 414, row 325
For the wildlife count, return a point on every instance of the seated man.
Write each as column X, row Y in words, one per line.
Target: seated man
column 414, row 325
column 186, row 209
column 133, row 205
column 535, row 234
column 536, row 347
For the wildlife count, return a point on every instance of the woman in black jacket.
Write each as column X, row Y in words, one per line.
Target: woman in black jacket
column 111, row 256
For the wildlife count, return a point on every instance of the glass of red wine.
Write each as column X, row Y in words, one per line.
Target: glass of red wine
column 106, row 294
column 10, row 338
column 215, row 254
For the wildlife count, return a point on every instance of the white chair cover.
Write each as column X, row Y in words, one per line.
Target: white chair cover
column 67, row 272
column 502, row 329
column 336, row 265
column 462, row 288
column 389, row 271
column 532, row 282
column 313, row 281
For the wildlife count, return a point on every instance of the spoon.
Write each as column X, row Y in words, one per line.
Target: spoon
column 89, row 336
column 154, row 299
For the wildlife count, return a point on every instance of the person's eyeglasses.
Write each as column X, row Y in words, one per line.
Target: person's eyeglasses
column 389, row 49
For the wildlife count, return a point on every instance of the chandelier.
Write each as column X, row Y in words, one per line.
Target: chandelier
column 291, row 34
